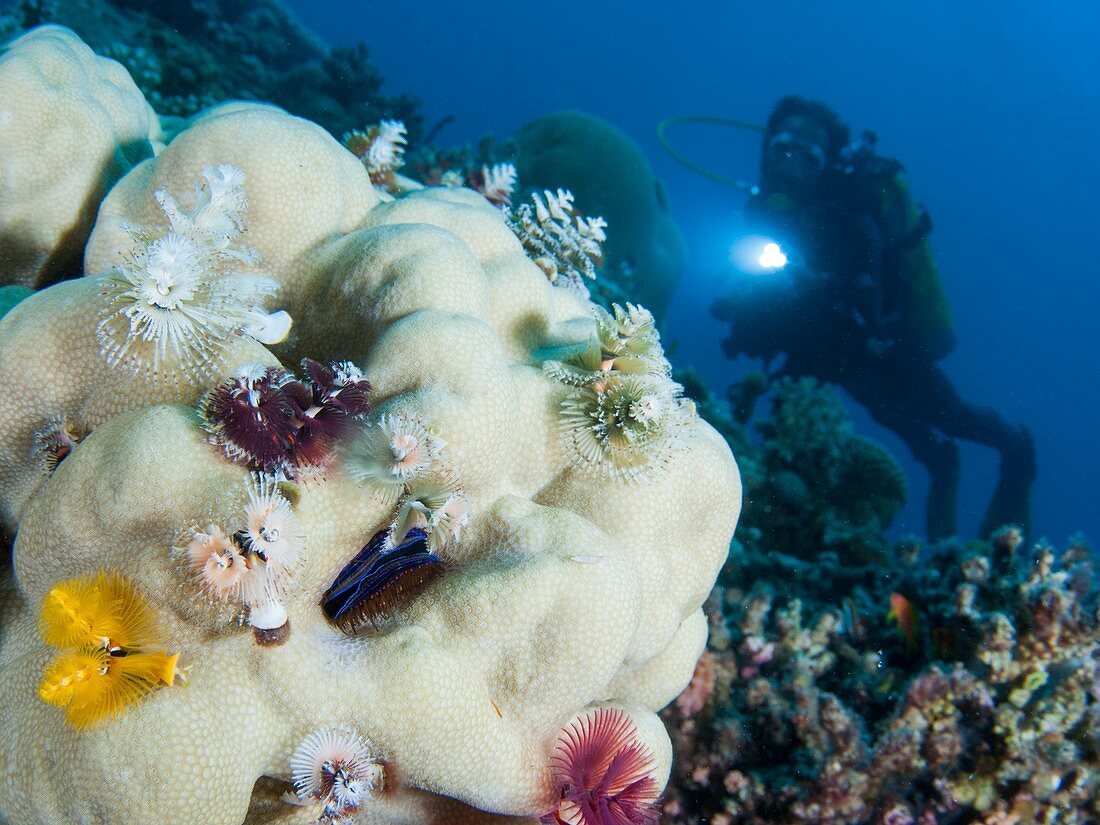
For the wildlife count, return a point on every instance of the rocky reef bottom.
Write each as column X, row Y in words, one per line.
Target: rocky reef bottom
column 851, row 679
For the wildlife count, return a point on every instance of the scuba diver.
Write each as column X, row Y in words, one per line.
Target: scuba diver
column 862, row 305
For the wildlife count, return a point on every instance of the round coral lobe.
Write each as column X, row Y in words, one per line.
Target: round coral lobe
column 604, row 773
column 253, row 417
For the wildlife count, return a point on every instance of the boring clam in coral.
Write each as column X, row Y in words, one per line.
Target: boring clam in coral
column 280, row 529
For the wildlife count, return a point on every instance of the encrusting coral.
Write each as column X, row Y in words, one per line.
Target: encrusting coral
column 557, row 588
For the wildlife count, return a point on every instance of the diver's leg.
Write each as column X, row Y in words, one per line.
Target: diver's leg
column 945, row 409
column 940, row 511
column 1011, row 502
column 887, row 397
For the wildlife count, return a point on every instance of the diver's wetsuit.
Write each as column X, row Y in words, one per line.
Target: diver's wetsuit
column 861, row 346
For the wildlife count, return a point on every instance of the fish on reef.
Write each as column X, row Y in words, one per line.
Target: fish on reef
column 905, row 613
column 851, row 623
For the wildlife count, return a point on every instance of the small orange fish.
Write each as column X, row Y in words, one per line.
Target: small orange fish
column 905, row 614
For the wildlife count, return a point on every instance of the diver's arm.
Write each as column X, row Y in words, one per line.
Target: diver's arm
column 868, row 301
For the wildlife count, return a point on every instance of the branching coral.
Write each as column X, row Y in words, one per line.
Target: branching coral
column 817, row 487
column 807, row 428
column 991, row 717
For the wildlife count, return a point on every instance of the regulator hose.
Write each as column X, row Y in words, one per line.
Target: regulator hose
column 662, row 127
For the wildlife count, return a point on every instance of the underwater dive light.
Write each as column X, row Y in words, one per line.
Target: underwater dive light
column 758, row 255
column 772, row 257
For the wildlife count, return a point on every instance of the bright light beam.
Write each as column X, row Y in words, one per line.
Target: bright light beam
column 772, row 256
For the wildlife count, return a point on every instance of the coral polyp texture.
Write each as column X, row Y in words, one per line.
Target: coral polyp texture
column 394, row 566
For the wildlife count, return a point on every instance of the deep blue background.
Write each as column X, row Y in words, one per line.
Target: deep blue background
column 992, row 106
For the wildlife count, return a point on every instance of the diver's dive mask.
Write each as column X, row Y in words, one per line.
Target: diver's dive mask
column 793, row 156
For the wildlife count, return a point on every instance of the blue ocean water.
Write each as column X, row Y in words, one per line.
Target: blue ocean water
column 991, row 106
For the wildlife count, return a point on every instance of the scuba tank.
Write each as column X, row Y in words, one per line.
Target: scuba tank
column 912, row 286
